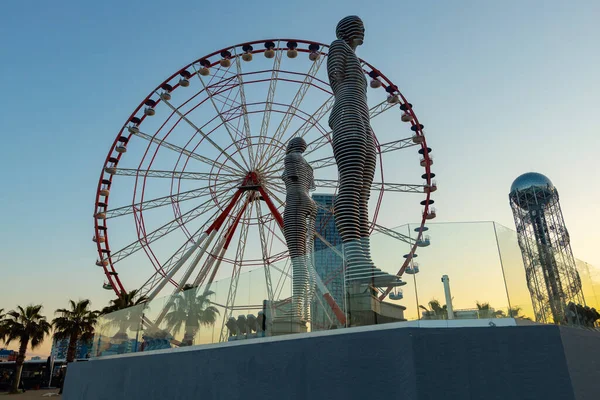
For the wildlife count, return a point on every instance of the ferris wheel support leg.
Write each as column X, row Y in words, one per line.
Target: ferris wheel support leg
column 208, row 264
column 220, row 250
column 181, row 284
column 182, row 261
column 227, row 238
column 339, row 314
column 210, row 232
column 272, row 207
column 195, row 262
column 212, row 228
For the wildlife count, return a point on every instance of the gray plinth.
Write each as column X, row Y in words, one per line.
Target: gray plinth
column 391, row 361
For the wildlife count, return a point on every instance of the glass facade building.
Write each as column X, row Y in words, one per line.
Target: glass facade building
column 328, row 264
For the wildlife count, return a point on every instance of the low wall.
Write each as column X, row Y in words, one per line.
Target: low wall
column 390, row 361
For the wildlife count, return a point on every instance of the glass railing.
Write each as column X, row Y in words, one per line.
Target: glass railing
column 481, row 261
column 119, row 332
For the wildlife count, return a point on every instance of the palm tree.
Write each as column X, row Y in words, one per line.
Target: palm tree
column 124, row 300
column 515, row 312
column 2, row 315
column 130, row 318
column 436, row 310
column 190, row 311
column 486, row 311
column 27, row 326
column 75, row 324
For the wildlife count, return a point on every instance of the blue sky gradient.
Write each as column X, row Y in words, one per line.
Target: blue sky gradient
column 502, row 88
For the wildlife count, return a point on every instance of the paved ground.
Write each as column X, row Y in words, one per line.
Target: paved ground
column 34, row 394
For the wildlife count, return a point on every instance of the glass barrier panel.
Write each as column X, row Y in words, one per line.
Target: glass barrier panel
column 590, row 284
column 154, row 336
column 400, row 302
column 514, row 273
column 118, row 332
column 327, row 291
column 466, row 256
column 482, row 261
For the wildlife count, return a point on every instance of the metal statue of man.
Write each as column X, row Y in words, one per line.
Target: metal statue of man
column 299, row 223
column 354, row 150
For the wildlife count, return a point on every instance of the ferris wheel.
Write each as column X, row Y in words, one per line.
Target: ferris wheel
column 191, row 188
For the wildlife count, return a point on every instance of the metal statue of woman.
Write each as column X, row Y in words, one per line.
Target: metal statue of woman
column 354, row 150
column 299, row 223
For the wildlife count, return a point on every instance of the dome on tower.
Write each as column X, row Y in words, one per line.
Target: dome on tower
column 531, row 180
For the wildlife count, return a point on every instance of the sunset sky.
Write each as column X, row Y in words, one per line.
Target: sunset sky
column 502, row 88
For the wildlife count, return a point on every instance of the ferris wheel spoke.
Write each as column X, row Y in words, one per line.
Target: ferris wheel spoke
column 272, row 231
column 330, row 161
column 323, row 163
column 315, row 118
column 285, row 273
column 204, row 135
column 151, row 173
column 380, row 108
column 376, row 186
column 392, row 233
column 383, row 148
column 268, row 152
column 324, row 140
column 216, row 255
column 205, row 235
column 317, row 144
column 162, row 201
column 157, row 277
column 222, row 90
column 265, row 253
column 242, row 92
column 273, row 234
column 308, row 124
column 264, row 128
column 333, row 248
column 396, row 145
column 328, row 215
column 224, row 121
column 164, row 230
column 270, row 191
column 235, row 274
column 180, row 150
column 275, row 189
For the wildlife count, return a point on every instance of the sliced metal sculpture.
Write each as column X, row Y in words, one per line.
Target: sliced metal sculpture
column 354, row 151
column 298, row 221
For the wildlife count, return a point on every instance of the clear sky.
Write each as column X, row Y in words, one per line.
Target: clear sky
column 502, row 87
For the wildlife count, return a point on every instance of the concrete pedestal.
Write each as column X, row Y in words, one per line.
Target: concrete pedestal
column 286, row 326
column 417, row 360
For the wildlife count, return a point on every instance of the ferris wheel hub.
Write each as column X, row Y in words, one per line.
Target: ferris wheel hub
column 252, row 181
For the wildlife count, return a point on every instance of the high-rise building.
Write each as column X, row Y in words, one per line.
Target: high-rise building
column 328, row 264
column 552, row 278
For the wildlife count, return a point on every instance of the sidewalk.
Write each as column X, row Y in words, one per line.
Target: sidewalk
column 34, row 394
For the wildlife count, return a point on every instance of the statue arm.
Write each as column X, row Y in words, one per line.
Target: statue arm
column 336, row 62
column 292, row 167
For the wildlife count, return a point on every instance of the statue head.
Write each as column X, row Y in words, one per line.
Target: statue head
column 296, row 145
column 351, row 30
